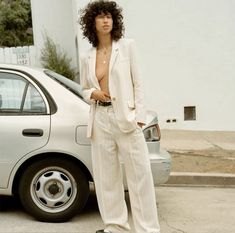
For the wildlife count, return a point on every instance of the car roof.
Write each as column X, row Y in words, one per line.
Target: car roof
column 25, row 68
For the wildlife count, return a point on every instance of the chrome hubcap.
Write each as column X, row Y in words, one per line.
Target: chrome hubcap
column 53, row 189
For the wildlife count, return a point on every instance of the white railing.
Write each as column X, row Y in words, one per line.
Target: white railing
column 25, row 55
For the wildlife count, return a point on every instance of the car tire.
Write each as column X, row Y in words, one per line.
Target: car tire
column 53, row 190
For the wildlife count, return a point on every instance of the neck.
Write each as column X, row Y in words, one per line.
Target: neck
column 105, row 41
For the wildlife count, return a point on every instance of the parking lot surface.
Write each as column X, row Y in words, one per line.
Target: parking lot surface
column 181, row 210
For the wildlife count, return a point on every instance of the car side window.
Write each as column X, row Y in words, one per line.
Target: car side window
column 33, row 101
column 17, row 95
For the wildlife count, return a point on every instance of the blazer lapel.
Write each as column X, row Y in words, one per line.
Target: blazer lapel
column 115, row 49
column 92, row 64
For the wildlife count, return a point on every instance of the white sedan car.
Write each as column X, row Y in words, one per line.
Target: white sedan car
column 45, row 157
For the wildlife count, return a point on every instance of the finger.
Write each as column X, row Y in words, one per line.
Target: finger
column 107, row 95
column 103, row 98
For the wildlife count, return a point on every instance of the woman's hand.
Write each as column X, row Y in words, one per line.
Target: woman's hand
column 100, row 95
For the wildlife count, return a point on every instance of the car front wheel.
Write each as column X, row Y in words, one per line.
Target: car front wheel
column 53, row 190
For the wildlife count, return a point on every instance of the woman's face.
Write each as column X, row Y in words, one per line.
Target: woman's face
column 103, row 23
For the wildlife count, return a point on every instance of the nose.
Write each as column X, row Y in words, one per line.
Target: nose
column 105, row 19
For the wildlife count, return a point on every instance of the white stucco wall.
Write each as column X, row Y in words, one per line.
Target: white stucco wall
column 55, row 17
column 187, row 53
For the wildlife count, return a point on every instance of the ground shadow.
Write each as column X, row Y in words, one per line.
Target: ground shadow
column 12, row 204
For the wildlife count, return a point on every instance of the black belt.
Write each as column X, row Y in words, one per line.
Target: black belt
column 104, row 104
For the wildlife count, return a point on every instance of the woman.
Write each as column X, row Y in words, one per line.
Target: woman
column 112, row 84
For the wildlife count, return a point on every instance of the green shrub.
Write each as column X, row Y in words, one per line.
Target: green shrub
column 52, row 58
column 15, row 23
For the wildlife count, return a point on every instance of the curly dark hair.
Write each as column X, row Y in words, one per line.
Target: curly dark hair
column 87, row 20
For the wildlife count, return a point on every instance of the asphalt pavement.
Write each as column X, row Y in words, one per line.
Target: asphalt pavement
column 180, row 210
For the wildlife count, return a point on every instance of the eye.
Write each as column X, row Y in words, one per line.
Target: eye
column 109, row 16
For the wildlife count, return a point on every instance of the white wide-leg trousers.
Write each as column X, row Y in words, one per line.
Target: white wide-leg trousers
column 108, row 143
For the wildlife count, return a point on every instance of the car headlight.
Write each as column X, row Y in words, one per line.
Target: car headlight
column 152, row 133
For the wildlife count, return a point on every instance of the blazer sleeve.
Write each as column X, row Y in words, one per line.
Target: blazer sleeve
column 137, row 84
column 86, row 89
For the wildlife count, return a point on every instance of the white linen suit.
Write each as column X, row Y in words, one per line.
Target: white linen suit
column 114, row 131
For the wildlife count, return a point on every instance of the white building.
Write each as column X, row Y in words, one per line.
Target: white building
column 187, row 51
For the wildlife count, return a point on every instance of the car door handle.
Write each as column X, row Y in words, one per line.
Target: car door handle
column 32, row 132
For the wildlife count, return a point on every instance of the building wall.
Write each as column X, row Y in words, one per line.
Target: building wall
column 55, row 18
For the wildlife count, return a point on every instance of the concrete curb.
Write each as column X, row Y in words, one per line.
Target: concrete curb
column 200, row 179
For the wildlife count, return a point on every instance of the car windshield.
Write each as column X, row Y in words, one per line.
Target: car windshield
column 67, row 83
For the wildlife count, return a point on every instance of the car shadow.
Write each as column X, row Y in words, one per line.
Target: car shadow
column 12, row 204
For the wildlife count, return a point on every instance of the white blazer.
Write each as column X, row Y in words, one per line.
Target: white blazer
column 125, row 85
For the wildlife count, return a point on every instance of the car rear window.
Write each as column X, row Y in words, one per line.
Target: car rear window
column 67, row 83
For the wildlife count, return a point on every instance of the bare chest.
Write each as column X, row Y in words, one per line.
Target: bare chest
column 102, row 64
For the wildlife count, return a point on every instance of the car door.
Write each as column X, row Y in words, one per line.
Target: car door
column 24, row 120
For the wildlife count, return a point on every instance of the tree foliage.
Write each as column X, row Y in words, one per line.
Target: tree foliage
column 15, row 23
column 52, row 58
